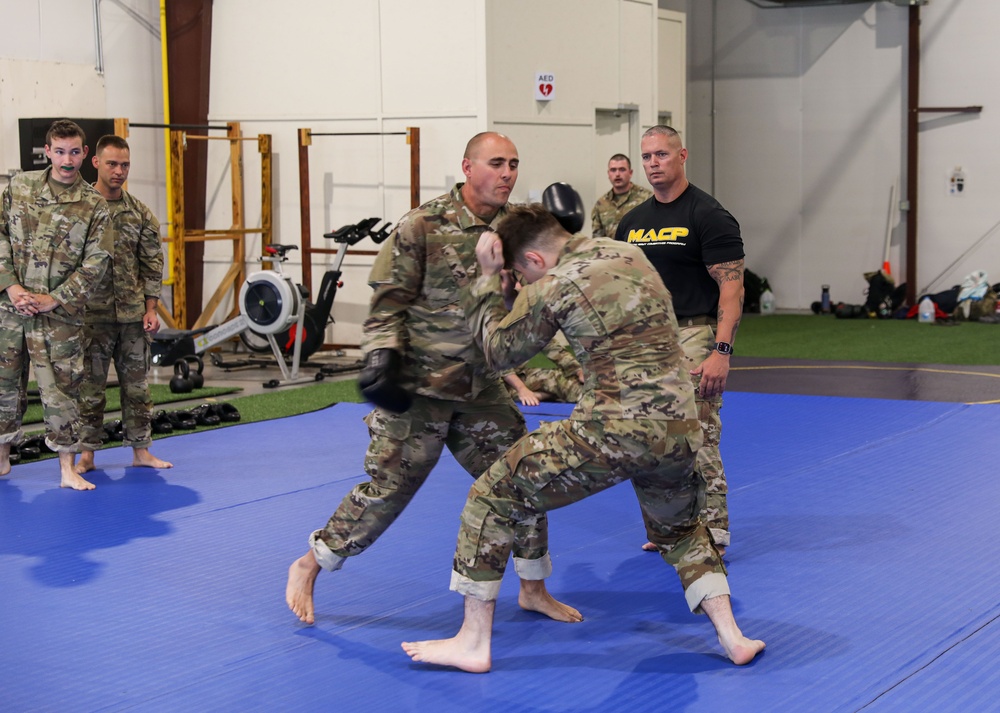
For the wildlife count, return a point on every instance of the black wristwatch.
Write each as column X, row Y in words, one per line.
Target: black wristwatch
column 723, row 348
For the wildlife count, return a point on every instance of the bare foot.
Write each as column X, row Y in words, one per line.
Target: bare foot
column 469, row 649
column 738, row 647
column 743, row 650
column 74, row 481
column 535, row 597
column 70, row 478
column 86, row 463
column 450, row 652
column 142, row 458
column 299, row 590
column 4, row 459
column 649, row 547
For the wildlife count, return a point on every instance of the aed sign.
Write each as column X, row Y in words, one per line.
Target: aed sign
column 545, row 86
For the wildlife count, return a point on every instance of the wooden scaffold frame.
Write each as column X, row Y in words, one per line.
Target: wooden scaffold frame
column 412, row 135
column 237, row 232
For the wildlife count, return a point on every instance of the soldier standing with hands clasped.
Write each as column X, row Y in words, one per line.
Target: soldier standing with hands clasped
column 54, row 249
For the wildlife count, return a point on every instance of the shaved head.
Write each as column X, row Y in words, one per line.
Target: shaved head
column 476, row 142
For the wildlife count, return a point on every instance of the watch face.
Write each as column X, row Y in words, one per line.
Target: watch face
column 724, row 348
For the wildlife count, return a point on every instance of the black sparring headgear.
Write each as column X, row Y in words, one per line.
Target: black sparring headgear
column 562, row 201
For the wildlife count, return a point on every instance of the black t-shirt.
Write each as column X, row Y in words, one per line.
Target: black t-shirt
column 680, row 239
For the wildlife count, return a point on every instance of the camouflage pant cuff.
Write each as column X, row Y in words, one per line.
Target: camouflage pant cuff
column 540, row 568
column 14, row 437
column 719, row 536
column 65, row 448
column 707, row 586
column 144, row 443
column 325, row 557
column 483, row 591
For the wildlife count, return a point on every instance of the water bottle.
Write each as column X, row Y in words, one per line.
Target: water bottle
column 825, row 299
column 926, row 311
column 767, row 302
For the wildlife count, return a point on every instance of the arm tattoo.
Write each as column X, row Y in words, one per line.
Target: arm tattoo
column 727, row 271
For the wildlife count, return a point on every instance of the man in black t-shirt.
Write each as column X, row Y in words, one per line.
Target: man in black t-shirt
column 695, row 245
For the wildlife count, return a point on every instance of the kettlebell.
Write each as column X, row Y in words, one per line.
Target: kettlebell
column 197, row 377
column 181, row 383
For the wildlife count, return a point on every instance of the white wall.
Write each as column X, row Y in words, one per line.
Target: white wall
column 603, row 59
column 958, row 68
column 450, row 67
column 808, row 136
column 48, row 67
column 345, row 67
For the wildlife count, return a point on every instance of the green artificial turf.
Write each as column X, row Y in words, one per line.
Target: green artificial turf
column 293, row 402
column 826, row 338
column 278, row 404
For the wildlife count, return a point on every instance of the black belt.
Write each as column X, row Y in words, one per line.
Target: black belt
column 698, row 319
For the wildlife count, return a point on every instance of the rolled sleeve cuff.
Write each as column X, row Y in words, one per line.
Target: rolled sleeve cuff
column 325, row 557
column 708, row 586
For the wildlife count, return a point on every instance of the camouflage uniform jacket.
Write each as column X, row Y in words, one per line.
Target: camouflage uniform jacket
column 610, row 208
column 52, row 245
column 617, row 316
column 136, row 268
column 559, row 352
column 415, row 308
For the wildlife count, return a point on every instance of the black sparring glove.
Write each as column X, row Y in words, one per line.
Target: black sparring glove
column 562, row 201
column 378, row 381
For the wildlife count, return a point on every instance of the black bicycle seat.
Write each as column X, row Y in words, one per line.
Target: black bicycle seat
column 279, row 250
column 353, row 233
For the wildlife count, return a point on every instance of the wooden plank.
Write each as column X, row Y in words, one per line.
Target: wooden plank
column 216, row 299
column 176, row 179
column 305, row 208
column 413, row 139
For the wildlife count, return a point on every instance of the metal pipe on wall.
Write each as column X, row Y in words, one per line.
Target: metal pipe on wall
column 98, row 40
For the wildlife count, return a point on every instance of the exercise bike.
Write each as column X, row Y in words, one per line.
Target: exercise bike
column 275, row 314
column 318, row 315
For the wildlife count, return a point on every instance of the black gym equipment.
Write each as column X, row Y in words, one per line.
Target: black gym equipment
column 181, row 382
column 319, row 315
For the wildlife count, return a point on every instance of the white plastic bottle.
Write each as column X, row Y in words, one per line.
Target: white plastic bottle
column 767, row 302
column 926, row 311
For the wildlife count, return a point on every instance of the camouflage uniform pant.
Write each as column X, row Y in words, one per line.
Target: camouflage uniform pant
column 403, row 451
column 550, row 381
column 697, row 343
column 127, row 345
column 566, row 461
column 54, row 350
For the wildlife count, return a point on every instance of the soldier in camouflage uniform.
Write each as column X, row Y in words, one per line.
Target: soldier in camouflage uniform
column 532, row 385
column 458, row 401
column 623, row 197
column 121, row 314
column 636, row 421
column 54, row 249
